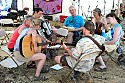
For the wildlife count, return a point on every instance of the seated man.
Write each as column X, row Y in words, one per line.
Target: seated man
column 38, row 57
column 74, row 23
column 43, row 30
column 85, row 48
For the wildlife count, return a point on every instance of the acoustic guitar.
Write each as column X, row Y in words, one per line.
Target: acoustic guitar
column 26, row 46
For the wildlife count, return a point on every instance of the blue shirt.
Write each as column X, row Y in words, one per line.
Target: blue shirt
column 109, row 35
column 24, row 32
column 76, row 21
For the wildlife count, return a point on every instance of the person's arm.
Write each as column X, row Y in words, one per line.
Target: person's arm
column 68, row 50
column 66, row 22
column 45, row 39
column 21, row 28
column 79, row 29
column 105, row 26
column 64, row 27
column 115, row 36
column 34, row 40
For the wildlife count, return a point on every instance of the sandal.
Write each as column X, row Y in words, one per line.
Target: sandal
column 45, row 69
column 43, row 78
column 32, row 65
column 37, row 78
column 99, row 69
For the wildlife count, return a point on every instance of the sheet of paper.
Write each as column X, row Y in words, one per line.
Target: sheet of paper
column 56, row 67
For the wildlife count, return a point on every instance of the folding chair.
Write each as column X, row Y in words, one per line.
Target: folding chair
column 61, row 34
column 10, row 61
column 109, row 50
column 87, row 56
column 6, row 21
column 3, row 36
column 8, row 33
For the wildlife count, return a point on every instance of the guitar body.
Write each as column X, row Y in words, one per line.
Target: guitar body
column 26, row 46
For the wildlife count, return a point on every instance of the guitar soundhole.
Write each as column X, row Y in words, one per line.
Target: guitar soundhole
column 31, row 45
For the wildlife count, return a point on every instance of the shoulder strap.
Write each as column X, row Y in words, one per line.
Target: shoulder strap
column 100, row 46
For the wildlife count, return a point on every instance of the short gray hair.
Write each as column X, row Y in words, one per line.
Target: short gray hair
column 28, row 17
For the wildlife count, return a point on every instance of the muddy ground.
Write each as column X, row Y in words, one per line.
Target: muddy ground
column 114, row 73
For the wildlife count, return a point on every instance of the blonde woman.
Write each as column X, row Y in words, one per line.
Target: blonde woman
column 38, row 57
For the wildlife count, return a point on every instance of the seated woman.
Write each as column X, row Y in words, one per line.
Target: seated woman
column 38, row 57
column 18, row 30
column 116, row 33
column 99, row 21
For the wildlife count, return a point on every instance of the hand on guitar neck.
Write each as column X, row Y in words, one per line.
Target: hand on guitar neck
column 36, row 50
column 64, row 46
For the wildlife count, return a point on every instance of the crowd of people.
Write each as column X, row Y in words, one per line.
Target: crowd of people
column 105, row 30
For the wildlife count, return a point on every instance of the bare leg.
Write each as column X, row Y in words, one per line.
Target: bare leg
column 39, row 58
column 101, row 62
column 54, row 29
column 70, row 37
column 57, row 59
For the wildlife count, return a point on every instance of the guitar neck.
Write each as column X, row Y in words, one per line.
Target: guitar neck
column 41, row 44
column 70, row 44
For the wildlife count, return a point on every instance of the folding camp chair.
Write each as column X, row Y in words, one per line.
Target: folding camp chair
column 6, row 21
column 3, row 36
column 60, row 34
column 109, row 51
column 86, row 57
column 8, row 33
column 11, row 62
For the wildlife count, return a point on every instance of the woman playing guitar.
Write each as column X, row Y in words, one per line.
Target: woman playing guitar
column 38, row 57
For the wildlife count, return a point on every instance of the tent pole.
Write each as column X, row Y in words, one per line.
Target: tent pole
column 118, row 8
